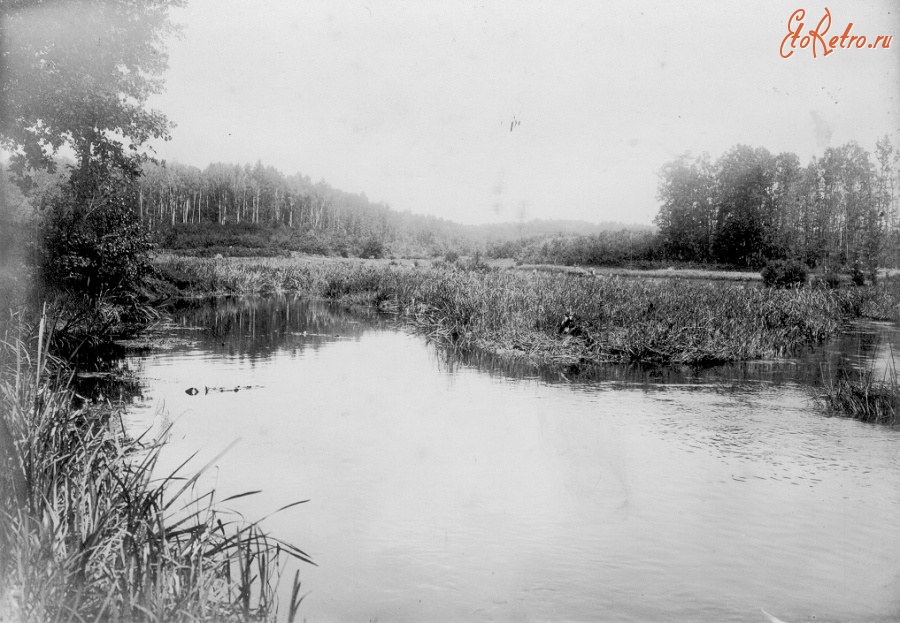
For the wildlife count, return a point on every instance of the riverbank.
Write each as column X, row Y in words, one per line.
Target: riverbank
column 89, row 531
column 571, row 318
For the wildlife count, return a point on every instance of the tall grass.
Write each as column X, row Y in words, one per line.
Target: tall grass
column 615, row 318
column 884, row 304
column 864, row 396
column 88, row 532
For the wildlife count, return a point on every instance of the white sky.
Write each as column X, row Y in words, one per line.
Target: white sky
column 411, row 102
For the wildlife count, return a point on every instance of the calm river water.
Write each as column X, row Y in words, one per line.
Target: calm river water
column 448, row 489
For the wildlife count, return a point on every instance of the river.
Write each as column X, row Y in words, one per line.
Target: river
column 467, row 488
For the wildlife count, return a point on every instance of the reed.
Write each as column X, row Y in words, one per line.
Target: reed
column 613, row 318
column 862, row 395
column 883, row 300
column 88, row 532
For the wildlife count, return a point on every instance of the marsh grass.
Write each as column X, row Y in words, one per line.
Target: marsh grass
column 884, row 304
column 862, row 395
column 517, row 313
column 89, row 532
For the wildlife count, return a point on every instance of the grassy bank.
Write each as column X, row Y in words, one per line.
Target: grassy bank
column 562, row 317
column 89, row 532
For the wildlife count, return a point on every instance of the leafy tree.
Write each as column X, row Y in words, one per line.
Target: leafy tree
column 886, row 196
column 787, row 234
column 845, row 221
column 686, row 218
column 13, row 208
column 79, row 73
column 744, row 201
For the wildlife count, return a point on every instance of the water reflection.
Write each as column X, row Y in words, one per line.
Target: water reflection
column 863, row 345
column 449, row 486
column 258, row 327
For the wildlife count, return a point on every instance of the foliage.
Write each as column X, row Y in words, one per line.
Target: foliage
column 80, row 73
column 93, row 258
column 95, row 245
column 742, row 210
column 12, row 234
column 238, row 209
column 749, row 207
column 372, row 248
column 784, row 274
column 686, row 217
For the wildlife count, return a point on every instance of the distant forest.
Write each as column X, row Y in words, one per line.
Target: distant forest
column 748, row 207
column 233, row 209
column 225, row 206
column 743, row 210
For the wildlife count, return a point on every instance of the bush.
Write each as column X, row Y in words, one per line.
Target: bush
column 477, row 263
column 372, row 248
column 94, row 247
column 93, row 257
column 784, row 274
column 831, row 279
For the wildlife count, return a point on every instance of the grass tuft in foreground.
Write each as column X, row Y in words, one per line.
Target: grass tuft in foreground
column 89, row 533
column 863, row 396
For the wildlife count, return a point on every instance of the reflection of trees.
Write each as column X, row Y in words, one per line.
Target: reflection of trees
column 869, row 348
column 259, row 326
column 106, row 376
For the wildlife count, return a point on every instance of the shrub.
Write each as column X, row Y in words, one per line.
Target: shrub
column 784, row 274
column 94, row 246
column 372, row 248
column 93, row 257
column 477, row 263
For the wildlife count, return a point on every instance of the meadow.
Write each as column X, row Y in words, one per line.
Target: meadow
column 564, row 317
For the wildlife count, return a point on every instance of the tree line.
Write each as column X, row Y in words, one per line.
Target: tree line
column 744, row 209
column 749, row 207
column 257, row 209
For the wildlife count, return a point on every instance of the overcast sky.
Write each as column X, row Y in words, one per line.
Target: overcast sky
column 412, row 102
